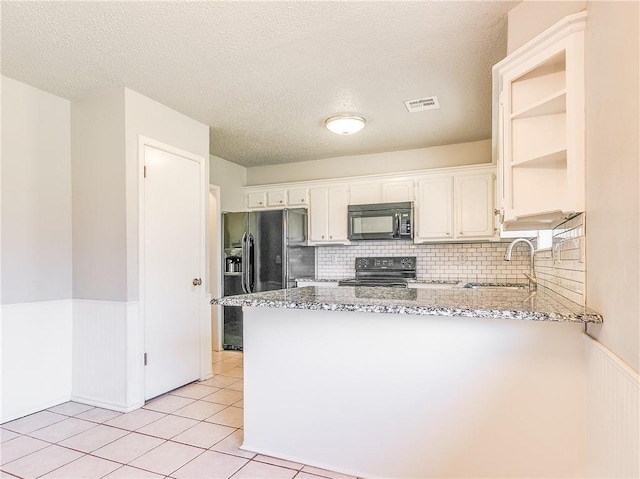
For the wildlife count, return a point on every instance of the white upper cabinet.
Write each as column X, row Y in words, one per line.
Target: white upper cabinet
column 328, row 214
column 273, row 198
column 255, row 199
column 473, row 201
column 381, row 191
column 276, row 198
column 459, row 206
column 298, row 197
column 365, row 193
column 539, row 128
column 397, row 191
column 451, row 204
column 434, row 209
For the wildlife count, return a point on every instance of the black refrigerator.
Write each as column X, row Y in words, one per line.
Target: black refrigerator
column 263, row 251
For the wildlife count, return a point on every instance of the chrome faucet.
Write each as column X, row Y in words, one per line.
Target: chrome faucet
column 533, row 282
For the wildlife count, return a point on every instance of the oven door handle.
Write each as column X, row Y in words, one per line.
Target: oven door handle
column 396, row 233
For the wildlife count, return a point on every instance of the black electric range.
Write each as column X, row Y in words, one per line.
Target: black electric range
column 388, row 271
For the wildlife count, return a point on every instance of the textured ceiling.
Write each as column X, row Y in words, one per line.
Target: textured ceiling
column 265, row 75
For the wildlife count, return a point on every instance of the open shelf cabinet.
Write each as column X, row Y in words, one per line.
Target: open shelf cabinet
column 539, row 127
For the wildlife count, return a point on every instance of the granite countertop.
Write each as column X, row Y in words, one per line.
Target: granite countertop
column 419, row 281
column 545, row 305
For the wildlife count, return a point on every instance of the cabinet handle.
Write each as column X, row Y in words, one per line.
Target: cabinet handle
column 447, row 233
column 461, row 233
column 322, row 236
column 330, row 237
column 280, row 201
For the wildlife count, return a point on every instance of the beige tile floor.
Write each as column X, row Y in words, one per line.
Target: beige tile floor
column 190, row 433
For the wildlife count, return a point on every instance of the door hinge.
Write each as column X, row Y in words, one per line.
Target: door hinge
column 144, row 174
column 145, row 359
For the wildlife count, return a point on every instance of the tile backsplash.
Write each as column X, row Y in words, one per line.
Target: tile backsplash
column 563, row 268
column 477, row 262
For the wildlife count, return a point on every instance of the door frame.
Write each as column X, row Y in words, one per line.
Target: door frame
column 144, row 141
column 215, row 288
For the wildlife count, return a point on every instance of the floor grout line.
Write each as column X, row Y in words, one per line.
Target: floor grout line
column 226, row 363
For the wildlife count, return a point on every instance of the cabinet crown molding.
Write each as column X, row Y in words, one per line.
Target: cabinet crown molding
column 400, row 176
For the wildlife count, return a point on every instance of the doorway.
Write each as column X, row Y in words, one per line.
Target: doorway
column 215, row 267
column 172, row 265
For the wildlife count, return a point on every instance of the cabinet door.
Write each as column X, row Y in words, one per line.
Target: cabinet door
column 318, row 214
column 474, row 206
column 365, row 193
column 435, row 208
column 396, row 191
column 255, row 199
column 276, row 198
column 298, row 197
column 337, row 209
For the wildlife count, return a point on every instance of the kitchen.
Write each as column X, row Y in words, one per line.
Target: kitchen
column 611, row 212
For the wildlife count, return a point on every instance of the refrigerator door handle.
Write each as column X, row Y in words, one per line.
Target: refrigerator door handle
column 250, row 270
column 245, row 264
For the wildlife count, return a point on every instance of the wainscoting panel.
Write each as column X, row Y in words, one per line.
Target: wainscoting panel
column 36, row 356
column 613, row 420
column 206, row 371
column 100, row 353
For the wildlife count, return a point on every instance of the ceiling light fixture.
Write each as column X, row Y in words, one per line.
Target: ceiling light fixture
column 345, row 125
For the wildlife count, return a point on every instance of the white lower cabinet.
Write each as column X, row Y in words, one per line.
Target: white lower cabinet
column 456, row 207
column 328, row 214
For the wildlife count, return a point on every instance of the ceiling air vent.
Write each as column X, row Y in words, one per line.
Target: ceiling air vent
column 422, row 104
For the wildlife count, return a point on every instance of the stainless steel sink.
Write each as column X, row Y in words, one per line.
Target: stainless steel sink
column 494, row 287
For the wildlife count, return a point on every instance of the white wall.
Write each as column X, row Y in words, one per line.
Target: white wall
column 530, row 18
column 147, row 117
column 231, row 178
column 99, row 211
column 613, row 227
column 108, row 331
column 36, row 250
column 36, row 195
column 390, row 162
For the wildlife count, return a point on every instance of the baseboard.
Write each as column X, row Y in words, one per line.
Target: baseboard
column 34, row 409
column 106, row 404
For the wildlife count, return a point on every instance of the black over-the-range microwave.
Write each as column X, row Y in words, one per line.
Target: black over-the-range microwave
column 381, row 221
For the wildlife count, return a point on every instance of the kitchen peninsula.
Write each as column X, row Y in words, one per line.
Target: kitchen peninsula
column 405, row 383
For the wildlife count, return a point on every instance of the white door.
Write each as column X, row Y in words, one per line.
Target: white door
column 173, row 262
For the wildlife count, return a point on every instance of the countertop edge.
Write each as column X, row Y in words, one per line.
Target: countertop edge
column 585, row 317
